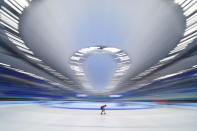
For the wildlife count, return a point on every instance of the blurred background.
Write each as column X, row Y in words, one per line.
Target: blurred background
column 106, row 50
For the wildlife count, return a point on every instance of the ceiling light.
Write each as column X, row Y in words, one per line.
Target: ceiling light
column 14, row 7
column 113, row 50
column 81, row 95
column 115, row 96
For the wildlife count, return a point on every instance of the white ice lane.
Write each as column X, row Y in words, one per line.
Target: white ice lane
column 35, row 117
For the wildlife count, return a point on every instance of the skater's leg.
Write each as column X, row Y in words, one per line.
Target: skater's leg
column 104, row 111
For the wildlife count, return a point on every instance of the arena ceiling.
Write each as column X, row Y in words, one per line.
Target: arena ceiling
column 59, row 36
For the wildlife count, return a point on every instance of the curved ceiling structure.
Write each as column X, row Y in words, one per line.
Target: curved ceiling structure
column 77, row 64
column 44, row 44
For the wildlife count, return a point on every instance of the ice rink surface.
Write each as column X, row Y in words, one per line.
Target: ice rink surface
column 39, row 117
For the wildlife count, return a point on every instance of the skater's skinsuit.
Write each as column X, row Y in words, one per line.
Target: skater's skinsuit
column 103, row 109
